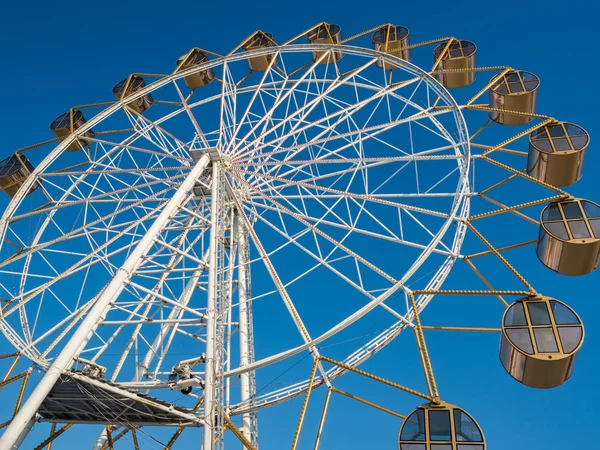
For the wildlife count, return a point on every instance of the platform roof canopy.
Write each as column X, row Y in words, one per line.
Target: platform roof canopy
column 77, row 399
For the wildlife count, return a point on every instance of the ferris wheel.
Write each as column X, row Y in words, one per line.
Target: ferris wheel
column 231, row 222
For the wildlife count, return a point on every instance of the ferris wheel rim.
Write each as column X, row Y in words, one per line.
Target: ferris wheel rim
column 461, row 195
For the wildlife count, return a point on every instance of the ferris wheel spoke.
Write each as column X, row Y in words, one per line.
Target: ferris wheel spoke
column 147, row 131
column 347, row 112
column 348, row 228
column 341, row 114
column 333, row 157
column 349, row 195
column 269, row 125
column 122, row 189
column 93, row 188
column 276, row 104
column 278, row 128
column 190, row 114
column 321, row 147
column 142, row 176
column 227, row 114
column 256, row 94
column 321, row 261
column 25, row 297
column 391, row 236
column 155, row 133
column 112, row 194
column 108, row 196
column 99, row 256
column 276, row 279
column 296, row 138
column 176, row 256
column 337, row 244
column 74, row 232
column 425, row 156
column 152, row 131
column 102, row 170
column 357, row 165
column 74, row 181
column 127, row 144
column 90, row 207
column 365, row 133
column 328, row 211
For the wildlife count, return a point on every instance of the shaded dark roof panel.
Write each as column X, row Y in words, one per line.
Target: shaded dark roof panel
column 78, row 399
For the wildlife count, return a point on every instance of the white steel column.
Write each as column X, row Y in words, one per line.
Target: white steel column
column 25, row 432
column 242, row 242
column 208, row 438
column 109, row 295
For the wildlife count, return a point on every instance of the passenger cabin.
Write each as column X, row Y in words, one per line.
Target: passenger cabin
column 569, row 239
column 260, row 40
column 198, row 79
column 557, row 152
column 514, row 91
column 459, row 56
column 129, row 86
column 14, row 170
column 540, row 340
column 440, row 426
column 68, row 123
column 392, row 40
column 326, row 34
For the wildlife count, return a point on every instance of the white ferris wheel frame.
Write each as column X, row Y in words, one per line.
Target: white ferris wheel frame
column 458, row 214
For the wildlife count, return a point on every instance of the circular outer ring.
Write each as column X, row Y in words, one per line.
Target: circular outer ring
column 459, row 212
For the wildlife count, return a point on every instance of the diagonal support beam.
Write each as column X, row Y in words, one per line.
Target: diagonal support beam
column 53, row 435
column 238, row 433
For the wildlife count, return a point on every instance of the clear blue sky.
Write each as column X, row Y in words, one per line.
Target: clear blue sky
column 58, row 55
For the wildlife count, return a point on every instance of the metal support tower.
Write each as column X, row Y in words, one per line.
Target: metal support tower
column 225, row 272
column 210, row 410
column 222, row 253
column 247, row 379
